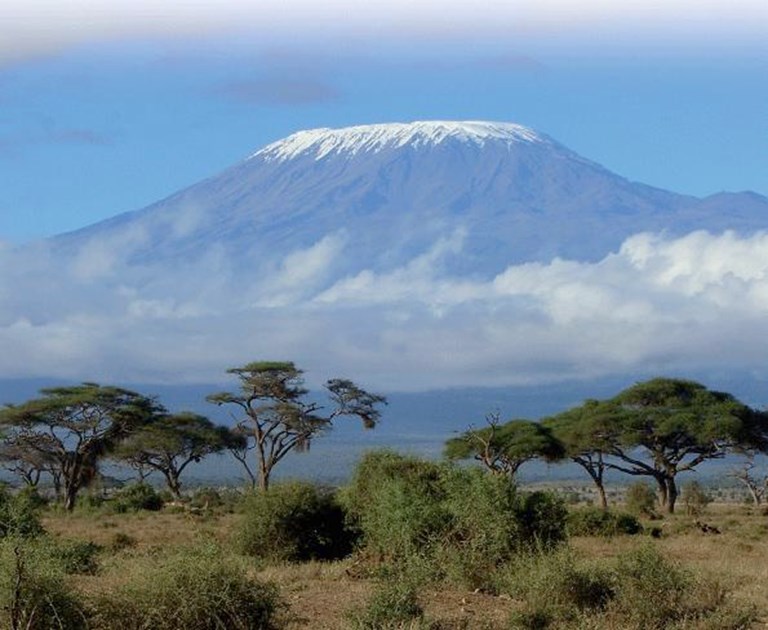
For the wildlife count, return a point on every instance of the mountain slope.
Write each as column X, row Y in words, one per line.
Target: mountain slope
column 390, row 191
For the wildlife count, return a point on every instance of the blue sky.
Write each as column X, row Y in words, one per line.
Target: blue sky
column 105, row 110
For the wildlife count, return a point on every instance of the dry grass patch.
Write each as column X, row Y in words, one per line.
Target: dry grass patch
column 147, row 529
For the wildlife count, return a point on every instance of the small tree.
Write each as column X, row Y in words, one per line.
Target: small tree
column 274, row 416
column 74, row 428
column 756, row 484
column 28, row 465
column 169, row 444
column 503, row 448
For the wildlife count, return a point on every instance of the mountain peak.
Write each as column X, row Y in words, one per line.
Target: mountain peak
column 374, row 138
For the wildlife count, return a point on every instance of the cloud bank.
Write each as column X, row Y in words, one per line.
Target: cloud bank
column 658, row 305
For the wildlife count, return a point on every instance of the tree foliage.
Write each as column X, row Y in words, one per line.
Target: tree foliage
column 583, row 433
column 274, row 415
column 74, row 428
column 172, row 442
column 503, row 448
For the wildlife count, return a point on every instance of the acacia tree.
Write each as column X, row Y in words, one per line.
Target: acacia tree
column 74, row 428
column 583, row 433
column 503, row 448
column 28, row 465
column 756, row 484
column 172, row 442
column 662, row 427
column 274, row 416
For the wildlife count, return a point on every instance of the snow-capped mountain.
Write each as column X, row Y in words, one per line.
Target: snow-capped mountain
column 390, row 191
column 422, row 255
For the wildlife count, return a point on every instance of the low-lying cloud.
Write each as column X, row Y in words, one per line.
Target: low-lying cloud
column 658, row 305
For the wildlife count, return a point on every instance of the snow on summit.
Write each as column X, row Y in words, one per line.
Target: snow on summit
column 374, row 138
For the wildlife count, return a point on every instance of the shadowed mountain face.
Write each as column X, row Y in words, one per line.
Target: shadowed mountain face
column 408, row 256
column 390, row 192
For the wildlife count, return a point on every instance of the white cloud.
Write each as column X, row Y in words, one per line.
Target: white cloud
column 657, row 305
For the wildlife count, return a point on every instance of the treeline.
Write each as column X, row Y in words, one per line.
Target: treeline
column 656, row 430
column 65, row 435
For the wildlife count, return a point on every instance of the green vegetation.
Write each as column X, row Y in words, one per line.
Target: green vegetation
column 34, row 594
column 293, row 522
column 503, row 448
column 462, row 522
column 277, row 418
column 591, row 521
column 640, row 500
column 407, row 543
column 663, row 427
column 172, row 442
column 197, row 588
column 69, row 430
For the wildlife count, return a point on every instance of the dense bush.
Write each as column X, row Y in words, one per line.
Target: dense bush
column 556, row 588
column 19, row 514
column 196, row 589
column 393, row 605
column 642, row 590
column 293, row 521
column 135, row 497
column 594, row 521
column 75, row 556
column 33, row 592
column 542, row 519
column 464, row 519
column 640, row 499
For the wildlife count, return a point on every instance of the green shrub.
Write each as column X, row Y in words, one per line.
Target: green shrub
column 641, row 590
column 542, row 518
column 135, row 497
column 695, row 498
column 593, row 521
column 396, row 502
column 19, row 514
column 196, row 589
column 33, row 592
column 393, row 605
column 556, row 587
column 293, row 522
column 77, row 557
column 654, row 593
column 375, row 468
column 466, row 521
column 640, row 499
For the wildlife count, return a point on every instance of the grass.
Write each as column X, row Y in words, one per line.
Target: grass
column 322, row 595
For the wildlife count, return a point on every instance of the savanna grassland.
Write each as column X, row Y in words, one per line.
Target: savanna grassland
column 407, row 544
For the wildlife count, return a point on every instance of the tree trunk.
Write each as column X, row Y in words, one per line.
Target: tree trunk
column 173, row 483
column 70, row 496
column 671, row 495
column 662, row 492
column 601, row 494
column 263, row 479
